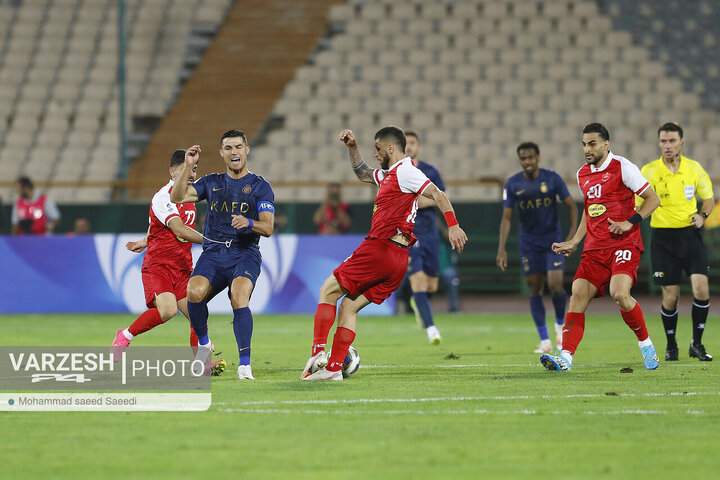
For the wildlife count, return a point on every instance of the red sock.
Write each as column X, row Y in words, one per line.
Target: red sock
column 148, row 320
column 341, row 343
column 635, row 320
column 193, row 340
column 573, row 331
column 324, row 319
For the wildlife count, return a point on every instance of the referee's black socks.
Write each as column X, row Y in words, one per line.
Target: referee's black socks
column 670, row 319
column 700, row 310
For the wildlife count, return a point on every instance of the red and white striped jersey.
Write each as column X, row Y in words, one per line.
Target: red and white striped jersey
column 396, row 202
column 609, row 192
column 163, row 246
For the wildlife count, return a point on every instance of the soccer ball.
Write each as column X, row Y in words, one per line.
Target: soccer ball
column 351, row 363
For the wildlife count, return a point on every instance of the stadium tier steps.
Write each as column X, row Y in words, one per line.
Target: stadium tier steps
column 679, row 33
column 475, row 78
column 58, row 88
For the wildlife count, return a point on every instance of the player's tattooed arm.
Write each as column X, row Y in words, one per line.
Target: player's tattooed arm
column 362, row 171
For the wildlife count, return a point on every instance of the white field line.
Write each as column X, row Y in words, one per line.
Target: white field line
column 455, row 399
column 509, row 365
column 455, row 412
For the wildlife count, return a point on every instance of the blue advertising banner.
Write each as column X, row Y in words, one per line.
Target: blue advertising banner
column 96, row 273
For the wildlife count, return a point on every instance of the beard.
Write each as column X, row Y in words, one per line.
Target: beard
column 385, row 163
column 595, row 159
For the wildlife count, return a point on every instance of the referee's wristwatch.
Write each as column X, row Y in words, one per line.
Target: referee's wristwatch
column 704, row 215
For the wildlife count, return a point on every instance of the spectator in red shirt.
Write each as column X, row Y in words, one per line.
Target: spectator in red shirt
column 33, row 213
column 333, row 215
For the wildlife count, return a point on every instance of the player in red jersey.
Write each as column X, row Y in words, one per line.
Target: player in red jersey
column 377, row 267
column 613, row 245
column 168, row 261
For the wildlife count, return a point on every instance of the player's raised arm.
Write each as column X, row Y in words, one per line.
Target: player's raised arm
column 456, row 235
column 363, row 172
column 182, row 192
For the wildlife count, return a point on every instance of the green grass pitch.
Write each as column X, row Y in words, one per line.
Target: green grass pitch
column 409, row 412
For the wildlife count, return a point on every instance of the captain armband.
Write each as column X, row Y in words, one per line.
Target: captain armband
column 635, row 219
column 265, row 206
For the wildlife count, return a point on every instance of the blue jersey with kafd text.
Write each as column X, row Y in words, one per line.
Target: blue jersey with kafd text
column 425, row 222
column 536, row 201
column 246, row 196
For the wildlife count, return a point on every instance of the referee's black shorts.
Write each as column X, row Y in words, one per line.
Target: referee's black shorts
column 674, row 250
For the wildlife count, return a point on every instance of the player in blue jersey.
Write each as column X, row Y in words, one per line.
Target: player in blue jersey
column 424, row 262
column 535, row 192
column 240, row 209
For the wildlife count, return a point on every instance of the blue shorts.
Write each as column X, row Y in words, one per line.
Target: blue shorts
column 537, row 256
column 221, row 267
column 425, row 256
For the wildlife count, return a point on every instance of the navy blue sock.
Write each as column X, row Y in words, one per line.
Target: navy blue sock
column 537, row 310
column 199, row 320
column 243, row 327
column 560, row 304
column 422, row 302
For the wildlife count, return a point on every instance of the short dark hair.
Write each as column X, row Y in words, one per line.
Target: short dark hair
column 526, row 145
column 392, row 134
column 671, row 127
column 25, row 182
column 177, row 158
column 598, row 128
column 412, row 133
column 233, row 134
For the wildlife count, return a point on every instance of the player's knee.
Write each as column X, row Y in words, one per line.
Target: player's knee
column 621, row 297
column 240, row 301
column 167, row 312
column 555, row 290
column 701, row 291
column 196, row 293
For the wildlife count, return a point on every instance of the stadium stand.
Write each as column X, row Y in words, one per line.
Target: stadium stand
column 477, row 77
column 474, row 77
column 58, row 89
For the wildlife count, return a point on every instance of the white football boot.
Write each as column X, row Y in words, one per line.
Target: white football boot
column 545, row 346
column 244, row 372
column 325, row 374
column 202, row 359
column 315, row 363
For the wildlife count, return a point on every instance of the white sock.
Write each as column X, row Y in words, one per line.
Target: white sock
column 432, row 331
column 558, row 328
column 128, row 335
column 567, row 355
column 645, row 342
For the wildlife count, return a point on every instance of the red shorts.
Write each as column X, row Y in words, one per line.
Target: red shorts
column 598, row 266
column 375, row 269
column 161, row 278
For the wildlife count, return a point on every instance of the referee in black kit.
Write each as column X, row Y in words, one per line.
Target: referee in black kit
column 677, row 243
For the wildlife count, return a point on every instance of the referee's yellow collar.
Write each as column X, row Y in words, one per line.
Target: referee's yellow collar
column 682, row 162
